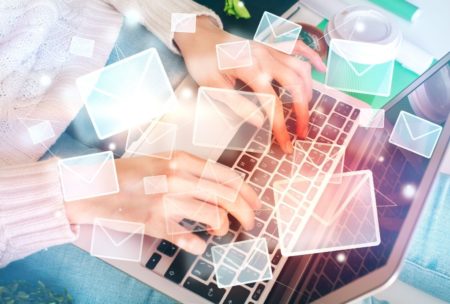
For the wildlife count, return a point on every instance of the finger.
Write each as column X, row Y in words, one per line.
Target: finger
column 302, row 49
column 279, row 126
column 186, row 240
column 236, row 102
column 219, row 173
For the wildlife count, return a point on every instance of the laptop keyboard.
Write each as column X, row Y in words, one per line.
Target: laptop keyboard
column 331, row 122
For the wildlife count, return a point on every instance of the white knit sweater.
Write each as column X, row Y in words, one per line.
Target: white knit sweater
column 37, row 83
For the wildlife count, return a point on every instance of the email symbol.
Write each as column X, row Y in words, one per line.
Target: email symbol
column 277, row 32
column 371, row 118
column 366, row 74
column 155, row 184
column 127, row 93
column 41, row 132
column 344, row 218
column 415, row 134
column 83, row 47
column 183, row 23
column 88, row 176
column 214, row 174
column 118, row 240
column 158, row 141
column 184, row 213
column 233, row 55
column 241, row 262
column 229, row 118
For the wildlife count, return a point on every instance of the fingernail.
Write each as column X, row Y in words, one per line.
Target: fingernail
column 288, row 147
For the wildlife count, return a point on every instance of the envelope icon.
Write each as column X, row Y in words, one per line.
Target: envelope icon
column 41, row 132
column 229, row 119
column 355, row 66
column 127, row 93
column 88, row 176
column 214, row 173
column 155, row 184
column 175, row 211
column 83, row 47
column 157, row 142
column 371, row 118
column 118, row 240
column 345, row 217
column 277, row 32
column 183, row 23
column 415, row 134
column 241, row 262
column 233, row 55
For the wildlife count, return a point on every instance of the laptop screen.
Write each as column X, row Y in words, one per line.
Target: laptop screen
column 398, row 153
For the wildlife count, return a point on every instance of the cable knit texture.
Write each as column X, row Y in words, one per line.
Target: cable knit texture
column 37, row 84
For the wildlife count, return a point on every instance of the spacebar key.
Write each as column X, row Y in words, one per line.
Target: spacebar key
column 180, row 266
column 210, row 292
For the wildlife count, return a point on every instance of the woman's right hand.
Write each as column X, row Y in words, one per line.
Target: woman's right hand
column 183, row 173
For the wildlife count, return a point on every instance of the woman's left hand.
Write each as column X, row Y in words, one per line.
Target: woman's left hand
column 199, row 52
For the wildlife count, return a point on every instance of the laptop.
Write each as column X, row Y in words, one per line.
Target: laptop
column 402, row 177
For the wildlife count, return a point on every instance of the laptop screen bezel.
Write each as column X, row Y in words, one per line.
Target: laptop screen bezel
column 389, row 272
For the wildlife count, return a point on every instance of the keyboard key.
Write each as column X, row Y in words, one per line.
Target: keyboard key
column 180, row 266
column 243, row 237
column 324, row 140
column 341, row 139
column 330, row 132
column 257, row 189
column 268, row 164
column 167, row 248
column 343, row 108
column 276, row 151
column 355, row 114
column 272, row 228
column 203, row 270
column 208, row 254
column 257, row 228
column 315, row 96
column 247, row 163
column 317, row 118
column 260, row 178
column 153, row 261
column 262, row 136
column 271, row 243
column 237, row 295
column 348, row 126
column 210, row 292
column 285, row 168
column 200, row 232
column 263, row 213
column 268, row 197
column 336, row 120
column 326, row 104
column 247, row 274
column 258, row 292
column 277, row 257
column 291, row 126
column 276, row 178
column 313, row 132
column 234, row 223
column 245, row 174
column 224, row 239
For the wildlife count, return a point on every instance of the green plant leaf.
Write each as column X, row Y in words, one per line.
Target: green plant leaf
column 236, row 8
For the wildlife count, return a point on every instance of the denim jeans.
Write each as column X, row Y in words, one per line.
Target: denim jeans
column 90, row 280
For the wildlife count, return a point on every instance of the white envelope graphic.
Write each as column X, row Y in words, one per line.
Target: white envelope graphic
column 233, row 55
column 371, row 118
column 231, row 184
column 41, row 132
column 241, row 262
column 415, row 134
column 277, row 32
column 155, row 184
column 217, row 107
column 127, row 93
column 88, row 176
column 118, row 240
column 83, row 47
column 183, row 23
column 159, row 142
column 173, row 203
column 344, row 218
column 355, row 66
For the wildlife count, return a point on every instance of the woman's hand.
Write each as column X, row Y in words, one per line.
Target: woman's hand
column 183, row 173
column 199, row 52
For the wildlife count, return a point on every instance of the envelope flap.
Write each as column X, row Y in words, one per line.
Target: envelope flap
column 220, row 108
column 418, row 127
column 160, row 131
column 281, row 27
column 234, row 49
column 182, row 18
column 87, row 167
column 116, row 237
